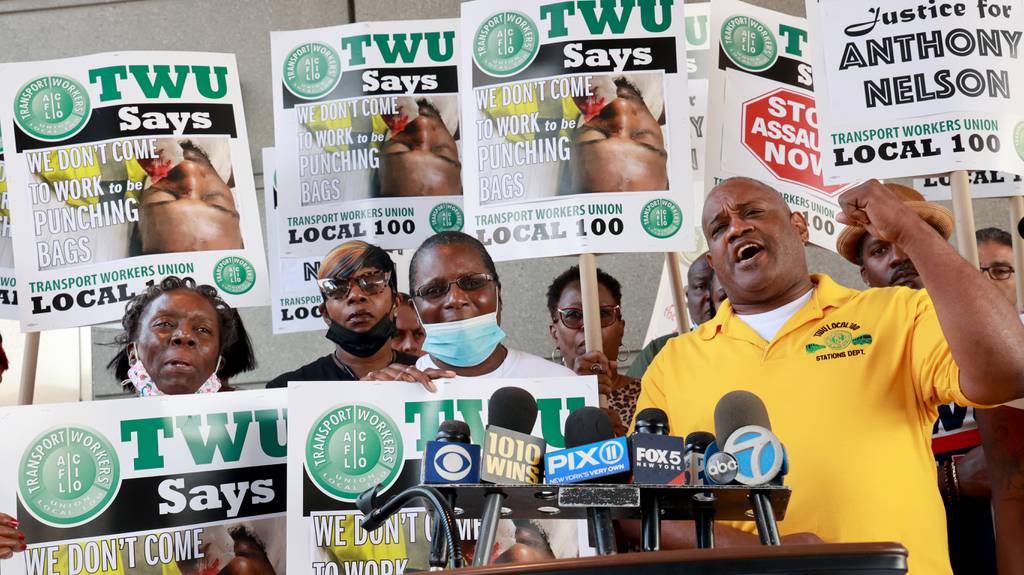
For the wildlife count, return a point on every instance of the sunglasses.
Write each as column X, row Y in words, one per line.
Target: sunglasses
column 999, row 272
column 572, row 317
column 370, row 284
column 468, row 282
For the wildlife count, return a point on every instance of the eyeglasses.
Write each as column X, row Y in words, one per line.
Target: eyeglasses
column 468, row 282
column 998, row 272
column 370, row 284
column 572, row 317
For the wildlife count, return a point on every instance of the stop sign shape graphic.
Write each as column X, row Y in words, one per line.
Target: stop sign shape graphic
column 781, row 129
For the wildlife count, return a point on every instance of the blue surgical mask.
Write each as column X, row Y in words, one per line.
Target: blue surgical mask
column 466, row 342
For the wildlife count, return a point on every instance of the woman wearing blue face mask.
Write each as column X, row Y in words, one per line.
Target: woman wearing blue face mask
column 457, row 294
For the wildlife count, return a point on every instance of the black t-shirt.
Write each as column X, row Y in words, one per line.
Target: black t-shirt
column 326, row 369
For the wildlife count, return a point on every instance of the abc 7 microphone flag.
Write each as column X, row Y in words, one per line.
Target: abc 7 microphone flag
column 758, row 452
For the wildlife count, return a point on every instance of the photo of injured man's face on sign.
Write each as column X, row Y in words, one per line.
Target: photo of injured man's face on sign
column 618, row 144
column 105, row 202
column 573, row 135
column 420, row 156
column 381, row 147
column 187, row 204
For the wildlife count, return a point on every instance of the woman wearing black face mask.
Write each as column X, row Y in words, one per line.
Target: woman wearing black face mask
column 358, row 283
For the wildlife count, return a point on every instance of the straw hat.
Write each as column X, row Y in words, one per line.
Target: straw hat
column 937, row 217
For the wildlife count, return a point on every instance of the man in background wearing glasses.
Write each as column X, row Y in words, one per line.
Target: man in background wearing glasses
column 956, row 441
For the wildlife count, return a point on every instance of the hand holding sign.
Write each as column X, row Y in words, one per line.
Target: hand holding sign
column 400, row 372
column 11, row 539
column 871, row 205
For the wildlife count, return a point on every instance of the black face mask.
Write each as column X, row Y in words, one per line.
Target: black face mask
column 362, row 344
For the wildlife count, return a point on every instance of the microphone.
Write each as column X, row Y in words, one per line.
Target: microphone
column 696, row 445
column 592, row 450
column 657, row 459
column 699, row 446
column 745, row 432
column 376, row 514
column 720, row 468
column 657, row 456
column 510, row 455
column 588, row 430
column 449, row 458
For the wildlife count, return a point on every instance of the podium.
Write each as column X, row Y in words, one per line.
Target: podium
column 830, row 559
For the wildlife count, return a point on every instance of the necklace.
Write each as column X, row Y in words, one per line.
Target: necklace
column 348, row 370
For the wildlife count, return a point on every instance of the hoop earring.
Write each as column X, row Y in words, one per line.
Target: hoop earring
column 130, row 352
column 618, row 356
column 556, row 356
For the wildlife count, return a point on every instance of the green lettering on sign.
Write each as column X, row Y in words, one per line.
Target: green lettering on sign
column 147, row 442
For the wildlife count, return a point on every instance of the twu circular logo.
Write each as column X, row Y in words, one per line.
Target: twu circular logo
column 453, row 462
column 758, row 453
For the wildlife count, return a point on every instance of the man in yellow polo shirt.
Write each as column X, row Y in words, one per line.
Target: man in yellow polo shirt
column 851, row 379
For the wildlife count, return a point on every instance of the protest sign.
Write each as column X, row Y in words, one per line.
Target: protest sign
column 185, row 484
column 762, row 118
column 663, row 316
column 572, row 112
column 352, row 436
column 123, row 168
column 294, row 297
column 8, row 294
column 698, row 62
column 984, row 184
column 910, row 87
column 366, row 122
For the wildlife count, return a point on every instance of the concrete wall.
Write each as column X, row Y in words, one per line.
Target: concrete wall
column 55, row 28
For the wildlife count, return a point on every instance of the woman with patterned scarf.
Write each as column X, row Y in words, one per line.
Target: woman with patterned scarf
column 181, row 338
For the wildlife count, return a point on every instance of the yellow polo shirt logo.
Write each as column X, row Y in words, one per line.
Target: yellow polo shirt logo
column 832, row 340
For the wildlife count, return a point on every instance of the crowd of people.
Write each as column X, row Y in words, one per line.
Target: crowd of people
column 864, row 387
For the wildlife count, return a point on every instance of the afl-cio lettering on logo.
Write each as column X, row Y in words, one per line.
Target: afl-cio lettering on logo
column 749, row 43
column 68, row 475
column 351, row 448
column 505, row 43
column 52, row 108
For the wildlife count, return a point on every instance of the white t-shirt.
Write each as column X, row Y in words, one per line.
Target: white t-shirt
column 517, row 364
column 564, row 537
column 768, row 324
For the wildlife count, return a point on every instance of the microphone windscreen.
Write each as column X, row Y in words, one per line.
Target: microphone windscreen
column 512, row 408
column 737, row 409
column 699, row 441
column 651, row 420
column 587, row 425
column 453, row 430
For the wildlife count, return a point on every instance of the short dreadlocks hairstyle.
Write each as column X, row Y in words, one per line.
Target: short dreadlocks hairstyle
column 235, row 346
